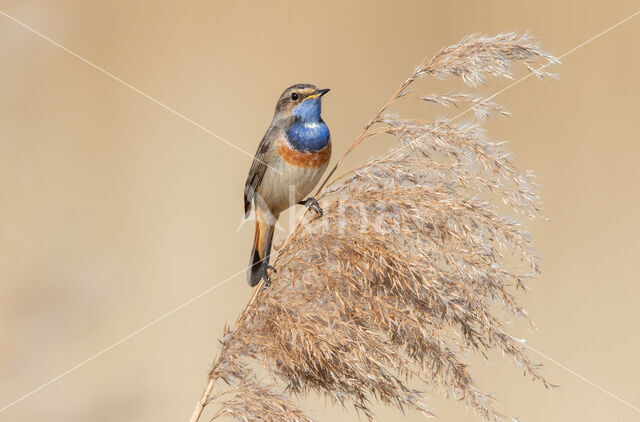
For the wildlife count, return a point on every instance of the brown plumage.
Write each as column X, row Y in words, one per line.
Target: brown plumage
column 282, row 174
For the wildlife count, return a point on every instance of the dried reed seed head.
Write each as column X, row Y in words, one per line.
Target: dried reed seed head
column 475, row 57
column 401, row 275
column 482, row 107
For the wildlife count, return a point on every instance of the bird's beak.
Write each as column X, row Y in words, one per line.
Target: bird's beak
column 319, row 93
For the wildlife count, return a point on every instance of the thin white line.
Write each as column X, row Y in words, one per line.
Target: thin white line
column 599, row 35
column 122, row 340
column 133, row 88
column 578, row 375
column 511, row 85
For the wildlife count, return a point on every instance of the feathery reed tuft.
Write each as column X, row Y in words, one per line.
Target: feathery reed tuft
column 401, row 276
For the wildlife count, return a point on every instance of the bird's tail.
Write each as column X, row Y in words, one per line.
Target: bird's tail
column 263, row 235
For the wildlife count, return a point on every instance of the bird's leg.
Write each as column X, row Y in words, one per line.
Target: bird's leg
column 267, row 279
column 267, row 255
column 312, row 203
column 265, row 275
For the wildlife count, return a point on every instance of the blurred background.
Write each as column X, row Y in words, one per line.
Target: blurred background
column 116, row 211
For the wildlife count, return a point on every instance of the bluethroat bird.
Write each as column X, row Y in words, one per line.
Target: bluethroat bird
column 290, row 160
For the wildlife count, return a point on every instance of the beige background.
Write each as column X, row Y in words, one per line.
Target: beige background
column 115, row 211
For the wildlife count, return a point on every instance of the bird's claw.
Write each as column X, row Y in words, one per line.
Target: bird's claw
column 312, row 203
column 265, row 275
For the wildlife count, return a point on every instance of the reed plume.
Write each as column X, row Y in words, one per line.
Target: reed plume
column 400, row 278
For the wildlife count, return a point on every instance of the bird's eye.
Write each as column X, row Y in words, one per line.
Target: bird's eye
column 294, row 96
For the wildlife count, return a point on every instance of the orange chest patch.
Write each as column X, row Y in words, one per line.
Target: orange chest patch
column 304, row 159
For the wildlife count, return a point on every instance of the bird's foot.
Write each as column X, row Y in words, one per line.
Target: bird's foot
column 265, row 275
column 312, row 203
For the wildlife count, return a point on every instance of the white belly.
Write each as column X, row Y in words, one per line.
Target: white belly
column 280, row 191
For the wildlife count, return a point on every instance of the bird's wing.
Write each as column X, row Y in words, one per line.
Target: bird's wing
column 257, row 170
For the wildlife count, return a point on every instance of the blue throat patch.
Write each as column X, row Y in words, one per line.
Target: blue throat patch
column 309, row 133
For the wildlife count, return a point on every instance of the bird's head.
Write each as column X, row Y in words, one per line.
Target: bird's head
column 301, row 101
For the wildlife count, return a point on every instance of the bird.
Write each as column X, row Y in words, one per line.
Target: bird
column 291, row 157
